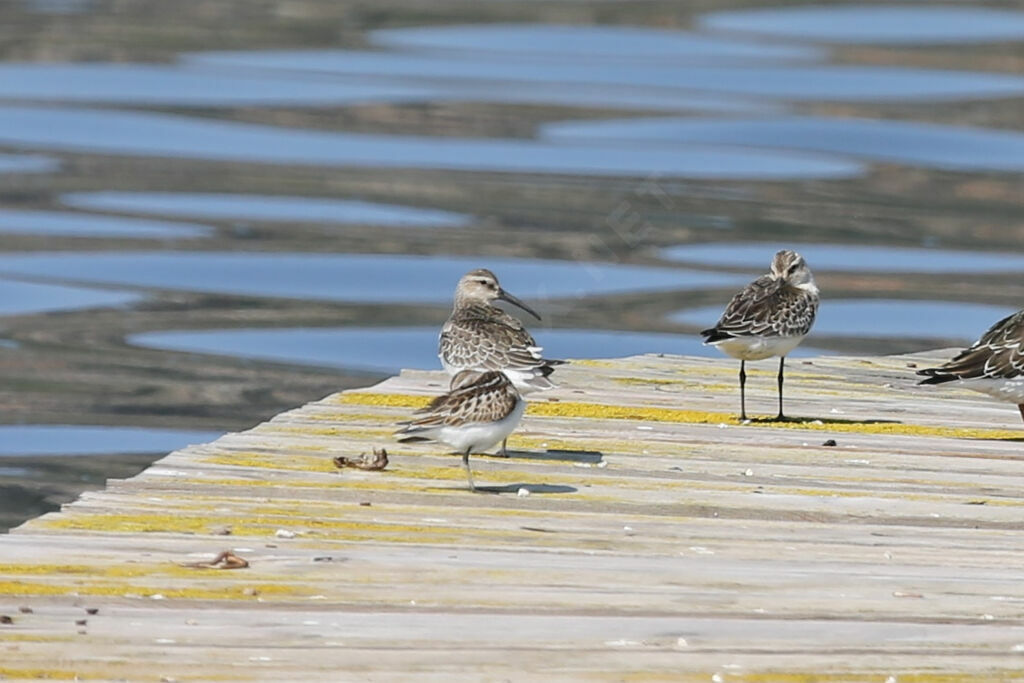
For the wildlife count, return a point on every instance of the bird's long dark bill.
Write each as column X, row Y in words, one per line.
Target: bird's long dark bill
column 505, row 296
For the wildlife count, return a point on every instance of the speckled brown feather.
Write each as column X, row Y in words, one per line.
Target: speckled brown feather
column 766, row 307
column 477, row 397
column 999, row 354
column 487, row 338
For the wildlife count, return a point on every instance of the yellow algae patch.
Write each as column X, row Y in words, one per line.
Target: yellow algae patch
column 642, row 381
column 506, row 476
column 390, row 400
column 591, row 363
column 31, row 638
column 113, row 571
column 652, row 414
column 241, row 591
column 351, row 417
column 8, row 569
column 613, row 412
column 904, row 677
column 335, row 431
column 259, row 525
column 51, row 674
column 301, row 463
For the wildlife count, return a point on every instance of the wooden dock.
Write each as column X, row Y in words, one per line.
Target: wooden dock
column 639, row 533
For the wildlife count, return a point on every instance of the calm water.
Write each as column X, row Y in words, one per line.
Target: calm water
column 68, row 224
column 914, row 144
column 92, row 440
column 27, row 163
column 625, row 179
column 787, row 82
column 880, row 24
column 262, row 208
column 351, row 277
column 163, row 135
column 588, row 43
column 391, row 349
column 850, row 257
column 20, row 298
column 940, row 320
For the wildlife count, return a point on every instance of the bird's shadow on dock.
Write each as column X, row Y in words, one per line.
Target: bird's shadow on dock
column 555, row 454
column 532, row 488
column 817, row 420
column 512, row 488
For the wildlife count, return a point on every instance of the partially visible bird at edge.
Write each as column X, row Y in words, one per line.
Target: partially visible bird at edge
column 993, row 365
column 481, row 409
column 769, row 317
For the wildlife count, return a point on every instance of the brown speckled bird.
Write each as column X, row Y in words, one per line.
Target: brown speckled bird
column 481, row 409
column 993, row 365
column 768, row 317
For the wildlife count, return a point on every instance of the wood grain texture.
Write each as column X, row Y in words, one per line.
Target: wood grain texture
column 659, row 540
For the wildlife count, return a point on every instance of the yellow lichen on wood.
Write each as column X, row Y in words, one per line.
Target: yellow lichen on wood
column 388, row 400
column 241, row 591
column 46, row 674
column 874, row 677
column 657, row 414
column 646, row 381
column 283, row 461
column 262, row 525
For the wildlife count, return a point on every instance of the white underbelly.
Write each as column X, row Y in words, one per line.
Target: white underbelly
column 525, row 380
column 480, row 436
column 758, row 347
column 1011, row 390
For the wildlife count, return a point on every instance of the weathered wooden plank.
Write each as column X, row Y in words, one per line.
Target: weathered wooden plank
column 658, row 539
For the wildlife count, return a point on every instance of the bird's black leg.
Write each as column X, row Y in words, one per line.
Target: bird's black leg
column 1021, row 409
column 743, row 395
column 782, row 364
column 469, row 473
column 503, row 451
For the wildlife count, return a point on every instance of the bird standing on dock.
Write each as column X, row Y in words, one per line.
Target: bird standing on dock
column 993, row 365
column 481, row 409
column 480, row 336
column 768, row 317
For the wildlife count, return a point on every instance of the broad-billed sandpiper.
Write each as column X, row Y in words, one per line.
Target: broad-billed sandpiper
column 481, row 409
column 768, row 317
column 993, row 365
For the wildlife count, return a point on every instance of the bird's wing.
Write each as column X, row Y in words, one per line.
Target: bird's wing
column 488, row 344
column 998, row 354
column 488, row 399
column 767, row 307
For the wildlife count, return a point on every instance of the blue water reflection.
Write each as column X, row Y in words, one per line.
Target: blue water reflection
column 27, row 163
column 22, row 298
column 199, row 85
column 849, row 257
column 94, row 440
column 388, row 349
column 805, row 82
column 163, row 135
column 874, row 24
column 253, row 207
column 155, row 85
column 919, row 144
column 350, row 277
column 68, row 224
column 885, row 318
column 587, row 43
